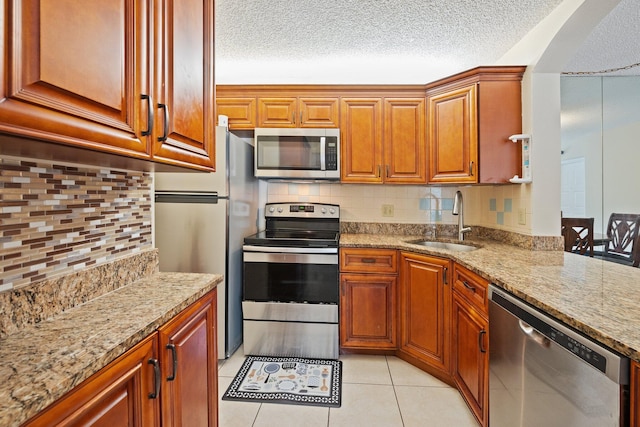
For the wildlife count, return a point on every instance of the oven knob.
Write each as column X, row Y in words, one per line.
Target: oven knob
column 332, row 211
column 280, row 210
column 323, row 210
column 272, row 209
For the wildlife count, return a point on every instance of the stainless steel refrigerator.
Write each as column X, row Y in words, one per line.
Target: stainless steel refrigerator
column 201, row 220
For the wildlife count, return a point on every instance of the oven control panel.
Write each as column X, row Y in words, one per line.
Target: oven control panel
column 302, row 210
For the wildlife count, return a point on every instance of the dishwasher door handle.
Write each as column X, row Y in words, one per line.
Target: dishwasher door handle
column 534, row 335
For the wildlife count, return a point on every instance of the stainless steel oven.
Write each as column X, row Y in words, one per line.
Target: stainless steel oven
column 290, row 299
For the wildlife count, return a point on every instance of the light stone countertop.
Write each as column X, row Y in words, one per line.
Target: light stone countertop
column 40, row 363
column 599, row 298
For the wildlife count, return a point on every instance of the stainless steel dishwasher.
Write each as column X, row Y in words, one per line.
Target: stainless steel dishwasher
column 543, row 373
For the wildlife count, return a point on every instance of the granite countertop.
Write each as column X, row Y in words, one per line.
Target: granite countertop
column 40, row 363
column 599, row 298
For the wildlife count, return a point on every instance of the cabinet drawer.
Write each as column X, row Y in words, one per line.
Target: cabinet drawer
column 368, row 260
column 472, row 286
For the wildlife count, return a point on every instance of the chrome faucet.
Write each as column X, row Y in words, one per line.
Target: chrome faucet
column 458, row 210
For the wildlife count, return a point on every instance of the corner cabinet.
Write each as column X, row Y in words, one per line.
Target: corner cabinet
column 470, row 118
column 103, row 78
column 168, row 379
column 425, row 312
column 470, row 346
column 383, row 140
column 368, row 280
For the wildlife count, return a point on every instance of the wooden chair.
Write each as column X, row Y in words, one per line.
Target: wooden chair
column 622, row 231
column 578, row 235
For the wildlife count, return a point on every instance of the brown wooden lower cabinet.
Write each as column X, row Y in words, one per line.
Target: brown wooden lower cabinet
column 368, row 288
column 635, row 394
column 121, row 394
column 425, row 310
column 168, row 379
column 470, row 356
column 189, row 368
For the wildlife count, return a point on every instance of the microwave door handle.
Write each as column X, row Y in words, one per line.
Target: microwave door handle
column 323, row 145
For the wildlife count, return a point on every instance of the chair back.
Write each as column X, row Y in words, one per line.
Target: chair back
column 622, row 231
column 578, row 235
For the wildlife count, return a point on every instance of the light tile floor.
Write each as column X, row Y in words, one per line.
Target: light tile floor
column 376, row 391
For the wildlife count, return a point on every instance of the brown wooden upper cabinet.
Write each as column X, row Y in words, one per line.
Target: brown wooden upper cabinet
column 241, row 111
column 87, row 77
column 383, row 140
column 470, row 118
column 298, row 112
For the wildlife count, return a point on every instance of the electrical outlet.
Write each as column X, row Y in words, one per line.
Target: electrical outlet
column 387, row 210
column 522, row 216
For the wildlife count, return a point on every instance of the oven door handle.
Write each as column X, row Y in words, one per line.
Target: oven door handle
column 288, row 258
column 274, row 249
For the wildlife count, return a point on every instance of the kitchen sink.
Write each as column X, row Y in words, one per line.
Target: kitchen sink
column 456, row 247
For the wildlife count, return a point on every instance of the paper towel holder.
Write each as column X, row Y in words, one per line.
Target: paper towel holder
column 526, row 159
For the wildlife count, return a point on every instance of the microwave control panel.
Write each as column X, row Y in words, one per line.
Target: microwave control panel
column 331, row 159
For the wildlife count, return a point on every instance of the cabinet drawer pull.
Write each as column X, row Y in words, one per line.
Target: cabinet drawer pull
column 149, row 114
column 368, row 260
column 468, row 286
column 174, row 357
column 165, row 132
column 481, row 341
column 156, row 376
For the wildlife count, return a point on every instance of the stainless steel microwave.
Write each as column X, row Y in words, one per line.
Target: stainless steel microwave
column 297, row 153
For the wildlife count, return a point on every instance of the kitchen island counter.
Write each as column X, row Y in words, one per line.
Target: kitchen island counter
column 599, row 298
column 40, row 363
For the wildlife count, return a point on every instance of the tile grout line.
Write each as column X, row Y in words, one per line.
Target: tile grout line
column 394, row 390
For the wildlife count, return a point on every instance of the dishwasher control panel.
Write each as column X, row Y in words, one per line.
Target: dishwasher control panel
column 582, row 351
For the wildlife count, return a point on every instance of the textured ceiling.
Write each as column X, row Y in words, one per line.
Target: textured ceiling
column 391, row 41
column 613, row 43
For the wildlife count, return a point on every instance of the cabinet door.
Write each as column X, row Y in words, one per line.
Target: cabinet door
column 75, row 74
column 189, row 366
column 277, row 112
column 405, row 142
column 185, row 90
column 368, row 311
column 453, row 136
column 319, row 112
column 240, row 111
column 361, row 140
column 121, row 394
column 425, row 309
column 470, row 361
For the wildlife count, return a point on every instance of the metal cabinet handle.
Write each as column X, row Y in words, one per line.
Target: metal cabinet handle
column 444, row 275
column 165, row 132
column 468, row 286
column 387, row 170
column 368, row 260
column 149, row 114
column 156, row 376
column 481, row 341
column 471, row 168
column 174, row 357
column 300, row 118
column 293, row 117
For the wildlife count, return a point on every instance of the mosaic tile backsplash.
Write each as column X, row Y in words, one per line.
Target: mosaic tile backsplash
column 57, row 219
